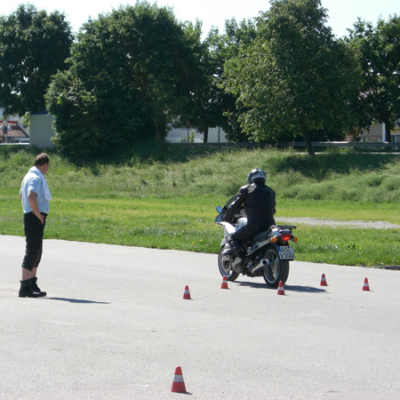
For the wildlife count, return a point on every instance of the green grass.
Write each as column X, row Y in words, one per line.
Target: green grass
column 340, row 210
column 168, row 200
column 367, row 247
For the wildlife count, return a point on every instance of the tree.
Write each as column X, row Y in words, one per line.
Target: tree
column 132, row 72
column 380, row 48
column 203, row 111
column 237, row 36
column 295, row 77
column 210, row 105
column 33, row 46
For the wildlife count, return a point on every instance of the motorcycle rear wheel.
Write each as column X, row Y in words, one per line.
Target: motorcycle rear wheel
column 277, row 270
column 225, row 268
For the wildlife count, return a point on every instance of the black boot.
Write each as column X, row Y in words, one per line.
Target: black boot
column 246, row 263
column 35, row 288
column 26, row 290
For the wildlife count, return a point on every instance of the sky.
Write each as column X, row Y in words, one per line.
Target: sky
column 213, row 13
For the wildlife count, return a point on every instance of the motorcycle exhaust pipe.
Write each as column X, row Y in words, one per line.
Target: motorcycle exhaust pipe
column 263, row 263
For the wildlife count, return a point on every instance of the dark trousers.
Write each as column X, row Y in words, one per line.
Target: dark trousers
column 34, row 241
column 242, row 235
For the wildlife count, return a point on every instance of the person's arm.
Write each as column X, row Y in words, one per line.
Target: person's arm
column 235, row 205
column 34, row 205
column 274, row 212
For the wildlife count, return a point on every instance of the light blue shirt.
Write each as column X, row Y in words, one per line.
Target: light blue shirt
column 33, row 183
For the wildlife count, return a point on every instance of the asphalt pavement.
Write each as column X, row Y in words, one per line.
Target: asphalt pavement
column 114, row 325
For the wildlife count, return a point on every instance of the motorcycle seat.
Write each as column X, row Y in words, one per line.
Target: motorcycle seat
column 260, row 236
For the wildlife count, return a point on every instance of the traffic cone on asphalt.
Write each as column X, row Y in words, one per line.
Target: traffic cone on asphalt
column 178, row 385
column 186, row 294
column 224, row 284
column 281, row 290
column 323, row 280
column 366, row 285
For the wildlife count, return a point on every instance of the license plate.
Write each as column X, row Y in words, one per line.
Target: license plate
column 286, row 252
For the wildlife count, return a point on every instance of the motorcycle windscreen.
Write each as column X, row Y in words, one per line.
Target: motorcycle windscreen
column 230, row 201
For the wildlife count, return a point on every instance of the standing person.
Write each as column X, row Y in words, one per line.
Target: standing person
column 35, row 196
column 259, row 201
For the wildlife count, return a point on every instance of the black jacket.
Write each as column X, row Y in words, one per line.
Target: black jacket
column 259, row 201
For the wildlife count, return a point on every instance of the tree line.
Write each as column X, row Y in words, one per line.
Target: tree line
column 134, row 72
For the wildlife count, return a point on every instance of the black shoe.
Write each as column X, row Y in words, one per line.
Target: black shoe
column 35, row 288
column 247, row 260
column 244, row 264
column 26, row 290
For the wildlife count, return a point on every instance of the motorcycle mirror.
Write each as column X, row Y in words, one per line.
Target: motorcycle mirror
column 219, row 209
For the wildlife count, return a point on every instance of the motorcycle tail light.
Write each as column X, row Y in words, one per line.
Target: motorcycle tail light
column 286, row 236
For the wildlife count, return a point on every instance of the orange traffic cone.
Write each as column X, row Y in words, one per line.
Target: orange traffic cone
column 224, row 284
column 186, row 294
column 281, row 290
column 178, row 385
column 366, row 285
column 323, row 280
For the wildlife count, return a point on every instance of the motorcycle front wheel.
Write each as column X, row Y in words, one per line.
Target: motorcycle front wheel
column 225, row 268
column 276, row 270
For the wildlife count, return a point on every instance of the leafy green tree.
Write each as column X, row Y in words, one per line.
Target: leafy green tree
column 237, row 36
column 132, row 72
column 204, row 111
column 380, row 48
column 295, row 77
column 33, row 47
column 210, row 105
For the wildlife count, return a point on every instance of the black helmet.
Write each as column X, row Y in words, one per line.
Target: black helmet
column 256, row 175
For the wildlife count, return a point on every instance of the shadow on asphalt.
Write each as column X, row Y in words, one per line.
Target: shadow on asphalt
column 294, row 288
column 304, row 289
column 78, row 300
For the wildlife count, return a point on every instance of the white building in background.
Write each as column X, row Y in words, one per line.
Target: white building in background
column 216, row 135
column 395, row 133
column 41, row 132
column 377, row 134
column 184, row 135
column 41, row 129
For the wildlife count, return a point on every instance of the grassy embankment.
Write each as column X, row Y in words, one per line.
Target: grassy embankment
column 170, row 204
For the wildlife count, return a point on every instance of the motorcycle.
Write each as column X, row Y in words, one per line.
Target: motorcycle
column 269, row 251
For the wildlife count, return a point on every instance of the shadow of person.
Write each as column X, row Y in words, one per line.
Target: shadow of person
column 77, row 300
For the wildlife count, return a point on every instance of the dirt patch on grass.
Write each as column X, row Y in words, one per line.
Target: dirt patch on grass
column 337, row 223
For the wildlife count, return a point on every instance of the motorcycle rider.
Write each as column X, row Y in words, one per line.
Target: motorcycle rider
column 259, row 201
